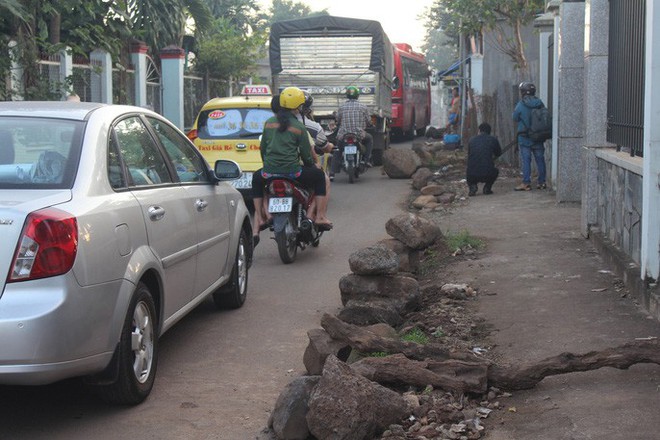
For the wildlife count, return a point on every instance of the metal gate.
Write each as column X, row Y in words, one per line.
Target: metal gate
column 154, row 88
column 625, row 88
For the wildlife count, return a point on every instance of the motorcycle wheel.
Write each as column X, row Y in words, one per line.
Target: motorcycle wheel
column 350, row 170
column 287, row 246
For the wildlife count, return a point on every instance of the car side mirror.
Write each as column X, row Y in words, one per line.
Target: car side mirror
column 227, row 170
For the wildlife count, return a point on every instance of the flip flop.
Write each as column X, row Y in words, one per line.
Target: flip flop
column 323, row 226
column 255, row 241
column 266, row 225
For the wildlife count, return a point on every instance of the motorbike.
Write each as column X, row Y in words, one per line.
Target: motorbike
column 349, row 155
column 288, row 204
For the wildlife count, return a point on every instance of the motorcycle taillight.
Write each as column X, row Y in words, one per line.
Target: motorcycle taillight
column 281, row 188
column 349, row 139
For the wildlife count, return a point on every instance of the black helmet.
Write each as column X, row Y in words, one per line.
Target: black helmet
column 309, row 101
column 527, row 88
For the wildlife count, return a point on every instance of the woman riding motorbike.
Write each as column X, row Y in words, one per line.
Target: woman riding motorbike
column 284, row 143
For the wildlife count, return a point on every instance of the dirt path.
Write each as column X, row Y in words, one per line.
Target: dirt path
column 545, row 290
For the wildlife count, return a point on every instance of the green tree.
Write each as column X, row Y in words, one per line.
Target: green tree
column 244, row 15
column 504, row 18
column 226, row 52
column 440, row 49
column 290, row 9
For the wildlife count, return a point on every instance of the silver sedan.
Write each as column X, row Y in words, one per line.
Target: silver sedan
column 112, row 228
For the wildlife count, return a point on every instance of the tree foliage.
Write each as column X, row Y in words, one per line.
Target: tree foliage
column 440, row 49
column 504, row 18
column 230, row 35
column 290, row 9
column 226, row 52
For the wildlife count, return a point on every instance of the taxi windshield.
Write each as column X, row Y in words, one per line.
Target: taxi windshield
column 231, row 123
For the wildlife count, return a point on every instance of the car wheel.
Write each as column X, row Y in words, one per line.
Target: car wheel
column 233, row 294
column 137, row 353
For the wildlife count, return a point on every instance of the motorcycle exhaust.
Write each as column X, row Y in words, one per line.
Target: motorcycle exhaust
column 307, row 230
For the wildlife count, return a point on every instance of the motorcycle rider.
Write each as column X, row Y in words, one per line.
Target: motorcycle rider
column 320, row 141
column 353, row 117
column 284, row 143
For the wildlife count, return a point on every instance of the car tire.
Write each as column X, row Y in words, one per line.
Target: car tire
column 137, row 353
column 233, row 294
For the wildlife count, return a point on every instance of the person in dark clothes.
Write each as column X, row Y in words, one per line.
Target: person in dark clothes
column 483, row 149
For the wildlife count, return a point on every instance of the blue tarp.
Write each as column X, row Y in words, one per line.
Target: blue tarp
column 453, row 68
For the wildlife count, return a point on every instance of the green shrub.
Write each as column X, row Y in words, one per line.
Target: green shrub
column 415, row 335
column 462, row 240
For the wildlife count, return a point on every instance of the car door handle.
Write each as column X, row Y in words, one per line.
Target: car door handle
column 156, row 213
column 201, row 204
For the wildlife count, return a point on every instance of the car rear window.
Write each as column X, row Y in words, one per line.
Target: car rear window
column 232, row 123
column 38, row 153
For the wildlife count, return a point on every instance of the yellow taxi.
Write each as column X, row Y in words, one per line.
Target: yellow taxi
column 230, row 128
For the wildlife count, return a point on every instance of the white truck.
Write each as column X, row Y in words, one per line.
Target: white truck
column 324, row 54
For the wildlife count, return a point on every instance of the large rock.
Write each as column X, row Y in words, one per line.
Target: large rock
column 288, row 420
column 320, row 346
column 403, row 292
column 400, row 163
column 425, row 153
column 370, row 312
column 432, row 190
column 421, row 177
column 346, row 406
column 374, row 260
column 424, row 201
column 413, row 230
column 408, row 257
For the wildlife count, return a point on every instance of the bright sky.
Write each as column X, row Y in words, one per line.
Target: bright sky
column 399, row 19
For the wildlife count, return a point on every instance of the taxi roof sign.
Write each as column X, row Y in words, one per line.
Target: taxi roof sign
column 255, row 90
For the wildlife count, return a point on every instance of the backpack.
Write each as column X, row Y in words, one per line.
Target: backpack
column 540, row 127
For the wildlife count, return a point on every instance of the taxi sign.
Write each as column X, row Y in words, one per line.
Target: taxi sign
column 217, row 114
column 252, row 90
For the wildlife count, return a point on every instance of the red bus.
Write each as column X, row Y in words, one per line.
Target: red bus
column 411, row 92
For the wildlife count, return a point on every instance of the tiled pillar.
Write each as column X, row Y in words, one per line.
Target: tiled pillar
column 651, row 166
column 101, row 78
column 571, row 102
column 596, row 24
column 172, row 81
column 66, row 70
column 139, row 60
column 16, row 73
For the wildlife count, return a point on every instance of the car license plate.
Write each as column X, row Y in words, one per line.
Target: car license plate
column 243, row 182
column 350, row 149
column 280, row 204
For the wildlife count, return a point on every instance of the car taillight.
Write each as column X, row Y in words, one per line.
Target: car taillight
column 192, row 134
column 47, row 246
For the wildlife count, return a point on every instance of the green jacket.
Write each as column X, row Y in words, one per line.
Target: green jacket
column 282, row 152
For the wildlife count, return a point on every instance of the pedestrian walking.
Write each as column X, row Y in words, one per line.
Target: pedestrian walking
column 529, row 143
column 483, row 149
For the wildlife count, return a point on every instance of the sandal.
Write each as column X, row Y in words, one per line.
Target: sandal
column 323, row 226
column 255, row 241
column 267, row 224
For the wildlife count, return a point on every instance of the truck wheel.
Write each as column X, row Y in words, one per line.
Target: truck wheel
column 381, row 143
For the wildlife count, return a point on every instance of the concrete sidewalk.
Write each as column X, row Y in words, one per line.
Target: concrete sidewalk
column 546, row 290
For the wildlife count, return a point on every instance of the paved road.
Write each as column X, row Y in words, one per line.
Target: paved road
column 220, row 373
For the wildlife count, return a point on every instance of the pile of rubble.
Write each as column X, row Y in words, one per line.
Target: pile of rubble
column 363, row 381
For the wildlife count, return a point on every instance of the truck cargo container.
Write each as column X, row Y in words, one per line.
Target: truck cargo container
column 323, row 55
